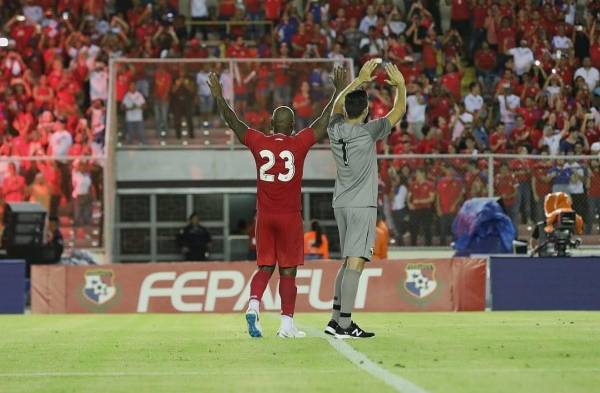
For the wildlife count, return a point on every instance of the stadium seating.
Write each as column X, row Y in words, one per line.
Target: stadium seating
column 500, row 78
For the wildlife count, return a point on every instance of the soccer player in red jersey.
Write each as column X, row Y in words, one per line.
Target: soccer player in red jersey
column 279, row 161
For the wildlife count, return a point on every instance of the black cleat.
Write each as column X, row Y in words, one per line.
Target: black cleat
column 331, row 327
column 354, row 331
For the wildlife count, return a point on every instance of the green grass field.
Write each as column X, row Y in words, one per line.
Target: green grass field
column 442, row 353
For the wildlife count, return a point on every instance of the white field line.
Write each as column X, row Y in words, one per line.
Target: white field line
column 396, row 382
column 102, row 374
column 506, row 370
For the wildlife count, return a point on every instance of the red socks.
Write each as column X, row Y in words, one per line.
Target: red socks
column 259, row 284
column 287, row 291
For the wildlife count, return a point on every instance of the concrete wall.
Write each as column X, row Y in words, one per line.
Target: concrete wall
column 193, row 165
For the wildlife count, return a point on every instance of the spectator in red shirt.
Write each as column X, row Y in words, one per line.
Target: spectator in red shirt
column 589, row 129
column 521, row 168
column 541, row 183
column 163, row 82
column 273, row 9
column 498, row 140
column 449, row 195
column 485, row 66
column 460, row 15
column 477, row 37
column 593, row 186
column 303, row 106
column 13, row 185
column 300, row 41
column 506, row 187
column 520, row 134
column 452, row 78
column 226, row 9
column 282, row 91
column 474, row 182
column 420, row 198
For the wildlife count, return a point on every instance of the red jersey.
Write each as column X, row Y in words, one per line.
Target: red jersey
column 543, row 184
column 485, row 59
column 479, row 15
column 595, row 55
column 273, row 9
column 226, row 8
column 421, row 191
column 279, row 165
column 449, row 190
column 506, row 188
column 303, row 106
column 460, row 10
column 451, row 81
column 594, row 190
column 13, row 188
column 521, row 169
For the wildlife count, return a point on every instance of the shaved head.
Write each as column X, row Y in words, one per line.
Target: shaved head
column 283, row 120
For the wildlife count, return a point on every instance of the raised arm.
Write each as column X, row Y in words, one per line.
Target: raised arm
column 319, row 126
column 395, row 78
column 363, row 76
column 238, row 126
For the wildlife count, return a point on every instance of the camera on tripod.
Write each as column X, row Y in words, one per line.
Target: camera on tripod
column 562, row 237
column 556, row 234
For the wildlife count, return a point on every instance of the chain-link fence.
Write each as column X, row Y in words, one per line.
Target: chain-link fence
column 421, row 194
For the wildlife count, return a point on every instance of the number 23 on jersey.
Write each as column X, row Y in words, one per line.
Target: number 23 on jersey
column 288, row 163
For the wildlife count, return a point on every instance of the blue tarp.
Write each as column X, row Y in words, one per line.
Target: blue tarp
column 482, row 227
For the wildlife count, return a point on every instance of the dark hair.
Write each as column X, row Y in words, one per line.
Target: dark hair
column 356, row 102
column 194, row 214
column 318, row 233
column 53, row 218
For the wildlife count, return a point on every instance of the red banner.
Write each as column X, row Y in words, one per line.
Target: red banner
column 409, row 285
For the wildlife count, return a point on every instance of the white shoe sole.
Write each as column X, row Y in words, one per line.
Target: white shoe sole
column 254, row 328
column 342, row 336
column 329, row 330
column 283, row 335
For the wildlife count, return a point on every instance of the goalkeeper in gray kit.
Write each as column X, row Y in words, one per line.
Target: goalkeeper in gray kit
column 355, row 195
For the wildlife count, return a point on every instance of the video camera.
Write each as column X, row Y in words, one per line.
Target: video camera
column 562, row 238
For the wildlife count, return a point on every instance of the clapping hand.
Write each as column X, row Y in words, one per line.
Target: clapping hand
column 395, row 77
column 365, row 74
column 339, row 78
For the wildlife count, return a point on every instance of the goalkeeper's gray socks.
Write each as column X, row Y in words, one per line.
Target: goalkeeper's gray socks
column 337, row 294
column 349, row 289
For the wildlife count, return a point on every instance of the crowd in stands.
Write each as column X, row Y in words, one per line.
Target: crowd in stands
column 494, row 76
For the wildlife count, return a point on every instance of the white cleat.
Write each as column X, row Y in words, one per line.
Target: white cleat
column 292, row 332
column 253, row 320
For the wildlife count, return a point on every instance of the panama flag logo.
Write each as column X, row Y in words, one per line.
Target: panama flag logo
column 420, row 279
column 99, row 286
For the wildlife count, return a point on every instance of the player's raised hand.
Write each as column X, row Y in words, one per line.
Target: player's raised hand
column 395, row 77
column 365, row 74
column 215, row 85
column 339, row 78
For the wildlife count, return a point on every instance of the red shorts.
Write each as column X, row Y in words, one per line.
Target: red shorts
column 279, row 239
